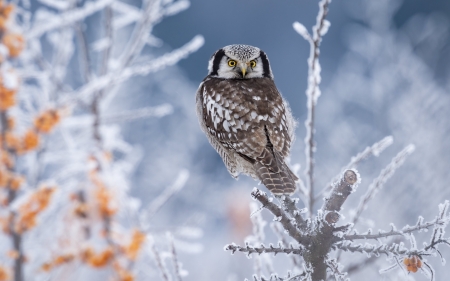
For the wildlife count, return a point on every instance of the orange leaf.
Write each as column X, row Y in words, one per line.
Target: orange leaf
column 45, row 122
column 15, row 43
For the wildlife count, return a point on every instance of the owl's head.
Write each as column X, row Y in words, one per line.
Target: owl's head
column 239, row 62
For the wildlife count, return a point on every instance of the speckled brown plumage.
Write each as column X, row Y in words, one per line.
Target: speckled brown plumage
column 250, row 126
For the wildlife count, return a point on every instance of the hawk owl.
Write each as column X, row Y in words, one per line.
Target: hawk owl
column 245, row 118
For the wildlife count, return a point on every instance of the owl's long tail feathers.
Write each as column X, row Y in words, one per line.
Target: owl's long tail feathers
column 274, row 173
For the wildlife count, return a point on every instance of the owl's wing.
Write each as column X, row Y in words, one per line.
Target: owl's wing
column 227, row 158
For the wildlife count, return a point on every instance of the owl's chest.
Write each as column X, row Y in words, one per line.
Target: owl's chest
column 243, row 95
column 234, row 106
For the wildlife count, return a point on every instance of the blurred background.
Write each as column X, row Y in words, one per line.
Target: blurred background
column 385, row 71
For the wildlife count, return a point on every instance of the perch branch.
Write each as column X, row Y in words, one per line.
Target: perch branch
column 280, row 215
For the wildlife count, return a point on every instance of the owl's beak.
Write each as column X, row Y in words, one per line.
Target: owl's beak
column 243, row 66
column 243, row 69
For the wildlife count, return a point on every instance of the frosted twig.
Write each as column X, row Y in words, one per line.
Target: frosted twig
column 379, row 182
column 120, row 76
column 313, row 93
column 139, row 35
column 299, row 277
column 420, row 225
column 374, row 250
column 159, row 201
column 374, row 150
column 67, row 18
column 107, row 23
column 156, row 111
column 333, row 266
column 263, row 249
column 175, row 262
column 290, row 207
column 278, row 231
column 85, row 61
column 258, row 234
column 438, row 231
column 159, row 262
column 279, row 214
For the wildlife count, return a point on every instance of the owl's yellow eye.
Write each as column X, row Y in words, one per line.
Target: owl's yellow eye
column 252, row 64
column 232, row 63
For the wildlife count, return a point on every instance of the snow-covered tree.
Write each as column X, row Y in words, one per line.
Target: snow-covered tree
column 65, row 168
column 315, row 238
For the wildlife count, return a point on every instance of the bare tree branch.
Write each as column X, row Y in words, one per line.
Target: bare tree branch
column 263, row 249
column 374, row 150
column 280, row 215
column 313, row 93
column 379, row 182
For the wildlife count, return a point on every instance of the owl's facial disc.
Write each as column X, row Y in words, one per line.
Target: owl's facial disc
column 239, row 62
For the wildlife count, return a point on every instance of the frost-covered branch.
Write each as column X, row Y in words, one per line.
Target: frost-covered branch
column 439, row 224
column 289, row 206
column 86, row 154
column 151, row 111
column 263, row 249
column 280, row 215
column 159, row 201
column 334, row 268
column 116, row 78
column 379, row 182
column 313, row 90
column 158, row 260
column 374, row 150
column 176, row 264
column 341, row 190
column 277, row 229
column 67, row 18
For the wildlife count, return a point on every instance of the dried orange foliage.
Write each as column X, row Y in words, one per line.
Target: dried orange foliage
column 21, row 145
column 14, row 42
column 11, row 123
column 7, row 97
column 12, row 141
column 30, row 141
column 4, row 223
column 4, row 178
column 4, row 274
column 124, row 275
column 103, row 196
column 6, row 159
column 5, row 12
column 57, row 261
column 10, row 180
column 137, row 239
column 13, row 254
column 15, row 182
column 46, row 121
column 97, row 259
column 29, row 211
column 412, row 263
